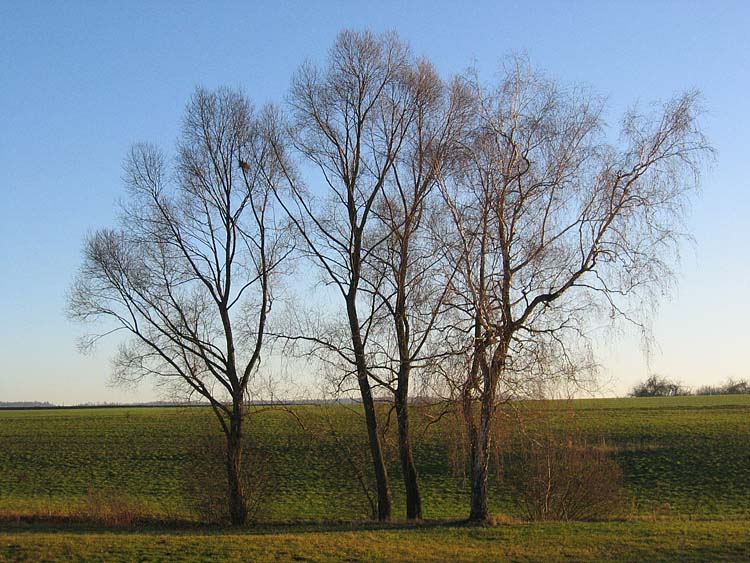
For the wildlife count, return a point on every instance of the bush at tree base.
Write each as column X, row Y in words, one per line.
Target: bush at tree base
column 557, row 477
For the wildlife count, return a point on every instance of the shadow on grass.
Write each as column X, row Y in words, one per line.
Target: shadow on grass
column 75, row 524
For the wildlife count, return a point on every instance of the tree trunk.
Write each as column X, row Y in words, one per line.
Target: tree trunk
column 480, row 468
column 411, row 482
column 482, row 433
column 477, row 441
column 237, row 504
column 376, row 448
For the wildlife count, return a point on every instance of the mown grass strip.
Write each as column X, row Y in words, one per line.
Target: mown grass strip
column 674, row 541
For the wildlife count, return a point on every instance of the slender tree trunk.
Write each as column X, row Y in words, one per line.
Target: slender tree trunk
column 409, row 469
column 376, row 448
column 237, row 501
column 401, row 398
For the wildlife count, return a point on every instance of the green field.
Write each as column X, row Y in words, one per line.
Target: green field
column 685, row 462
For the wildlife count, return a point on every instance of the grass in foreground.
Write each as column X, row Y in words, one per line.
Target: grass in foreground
column 661, row 541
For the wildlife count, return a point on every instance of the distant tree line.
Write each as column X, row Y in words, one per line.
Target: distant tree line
column 25, row 404
column 659, row 386
column 456, row 234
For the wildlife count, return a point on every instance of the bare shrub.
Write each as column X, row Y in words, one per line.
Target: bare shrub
column 558, row 477
column 458, row 447
column 456, row 443
column 205, row 481
column 110, row 507
column 344, row 456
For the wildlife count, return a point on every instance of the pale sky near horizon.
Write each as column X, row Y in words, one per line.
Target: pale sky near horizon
column 81, row 81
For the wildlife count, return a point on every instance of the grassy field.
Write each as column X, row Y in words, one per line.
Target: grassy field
column 685, row 461
column 616, row 542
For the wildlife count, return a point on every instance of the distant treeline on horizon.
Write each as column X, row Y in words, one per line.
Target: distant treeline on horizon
column 48, row 405
column 25, row 404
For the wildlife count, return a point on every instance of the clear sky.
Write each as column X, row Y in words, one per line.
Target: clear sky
column 81, row 81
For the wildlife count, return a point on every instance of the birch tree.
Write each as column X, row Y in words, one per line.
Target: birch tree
column 551, row 223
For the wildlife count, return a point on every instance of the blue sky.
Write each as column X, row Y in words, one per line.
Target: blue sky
column 81, row 81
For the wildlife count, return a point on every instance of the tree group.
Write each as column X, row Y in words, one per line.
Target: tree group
column 469, row 232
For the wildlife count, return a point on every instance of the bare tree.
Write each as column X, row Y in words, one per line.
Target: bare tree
column 552, row 224
column 404, row 275
column 188, row 273
column 349, row 121
column 659, row 386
